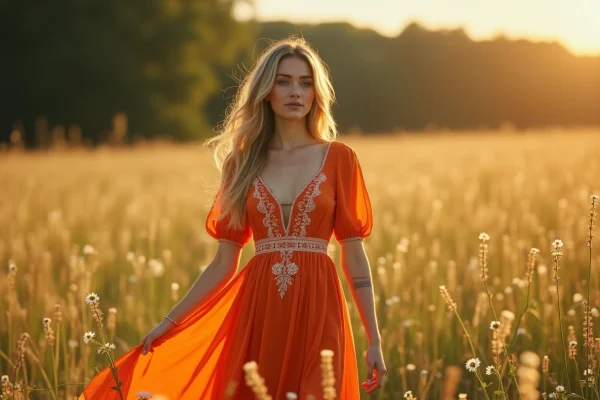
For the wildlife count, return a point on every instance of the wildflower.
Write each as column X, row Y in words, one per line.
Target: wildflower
column 473, row 364
column 462, row 396
column 483, row 250
column 291, row 396
column 156, row 267
column 490, row 370
column 88, row 336
column 545, row 365
column 58, row 315
column 48, row 331
column 106, row 348
column 411, row 367
column 328, row 378
column 92, row 298
column 88, row 250
column 409, row 396
column 560, row 388
column 447, row 298
column 592, row 218
column 588, row 327
column 531, row 264
column 111, row 321
column 144, row 395
column 12, row 266
column 255, row 381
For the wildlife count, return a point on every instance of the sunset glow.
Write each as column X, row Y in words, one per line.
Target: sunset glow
column 574, row 24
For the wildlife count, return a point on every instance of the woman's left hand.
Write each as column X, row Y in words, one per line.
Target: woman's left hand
column 375, row 368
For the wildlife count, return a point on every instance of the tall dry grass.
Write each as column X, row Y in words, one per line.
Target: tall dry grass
column 128, row 225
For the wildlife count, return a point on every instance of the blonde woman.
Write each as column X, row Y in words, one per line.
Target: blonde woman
column 286, row 182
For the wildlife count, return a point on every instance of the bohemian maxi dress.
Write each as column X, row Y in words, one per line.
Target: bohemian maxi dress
column 280, row 310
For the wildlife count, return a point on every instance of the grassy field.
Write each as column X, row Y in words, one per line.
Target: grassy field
column 142, row 211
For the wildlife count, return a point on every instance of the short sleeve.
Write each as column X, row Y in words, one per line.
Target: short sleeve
column 353, row 214
column 216, row 226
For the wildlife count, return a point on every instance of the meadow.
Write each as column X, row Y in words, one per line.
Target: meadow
column 461, row 212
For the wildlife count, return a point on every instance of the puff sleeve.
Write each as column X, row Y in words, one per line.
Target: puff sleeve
column 216, row 226
column 353, row 214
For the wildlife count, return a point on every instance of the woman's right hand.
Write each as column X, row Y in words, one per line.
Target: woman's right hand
column 159, row 330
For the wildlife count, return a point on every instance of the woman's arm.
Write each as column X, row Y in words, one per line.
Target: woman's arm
column 358, row 275
column 357, row 271
column 215, row 277
column 217, row 274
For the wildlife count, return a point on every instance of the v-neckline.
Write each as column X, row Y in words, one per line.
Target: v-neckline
column 287, row 228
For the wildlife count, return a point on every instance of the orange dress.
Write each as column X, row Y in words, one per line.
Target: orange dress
column 280, row 310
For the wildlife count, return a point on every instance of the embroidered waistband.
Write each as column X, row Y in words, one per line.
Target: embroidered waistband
column 314, row 245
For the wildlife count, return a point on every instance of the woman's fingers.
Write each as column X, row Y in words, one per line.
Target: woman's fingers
column 147, row 345
column 370, row 367
column 376, row 383
column 380, row 374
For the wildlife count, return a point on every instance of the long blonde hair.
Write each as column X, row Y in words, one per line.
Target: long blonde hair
column 241, row 147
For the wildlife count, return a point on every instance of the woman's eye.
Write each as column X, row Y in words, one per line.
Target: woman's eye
column 282, row 81
column 307, row 84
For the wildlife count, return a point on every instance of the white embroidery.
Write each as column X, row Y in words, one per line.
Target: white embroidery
column 285, row 269
column 270, row 245
column 307, row 205
column 267, row 208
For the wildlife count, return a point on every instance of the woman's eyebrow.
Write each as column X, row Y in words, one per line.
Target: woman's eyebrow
column 301, row 76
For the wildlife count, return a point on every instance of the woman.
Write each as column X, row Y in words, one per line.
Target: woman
column 289, row 184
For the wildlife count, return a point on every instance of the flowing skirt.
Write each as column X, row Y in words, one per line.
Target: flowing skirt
column 248, row 320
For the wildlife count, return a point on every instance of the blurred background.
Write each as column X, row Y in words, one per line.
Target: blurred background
column 105, row 72
column 467, row 116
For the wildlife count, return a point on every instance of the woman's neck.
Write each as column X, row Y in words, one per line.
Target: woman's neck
column 291, row 134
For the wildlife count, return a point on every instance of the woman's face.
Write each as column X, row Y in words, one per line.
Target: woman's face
column 293, row 91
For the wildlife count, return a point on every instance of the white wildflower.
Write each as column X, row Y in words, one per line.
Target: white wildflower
column 92, row 298
column 88, row 336
column 473, row 364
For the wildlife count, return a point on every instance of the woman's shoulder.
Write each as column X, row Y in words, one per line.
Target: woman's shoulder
column 344, row 152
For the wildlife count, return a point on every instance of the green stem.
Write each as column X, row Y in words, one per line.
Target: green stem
column 520, row 317
column 578, row 378
column 56, row 356
column 589, row 307
column 508, row 358
column 501, row 385
column 596, row 391
column 481, row 383
column 562, row 335
column 472, row 349
column 54, row 371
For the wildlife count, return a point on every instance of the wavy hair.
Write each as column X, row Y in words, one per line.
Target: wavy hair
column 241, row 146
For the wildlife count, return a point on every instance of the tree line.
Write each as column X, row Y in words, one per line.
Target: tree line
column 166, row 67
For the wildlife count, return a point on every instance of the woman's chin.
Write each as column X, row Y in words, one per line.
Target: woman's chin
column 291, row 116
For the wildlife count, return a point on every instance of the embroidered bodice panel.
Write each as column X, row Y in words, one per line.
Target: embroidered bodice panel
column 334, row 202
column 309, row 228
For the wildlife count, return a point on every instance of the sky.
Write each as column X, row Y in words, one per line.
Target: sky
column 574, row 23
